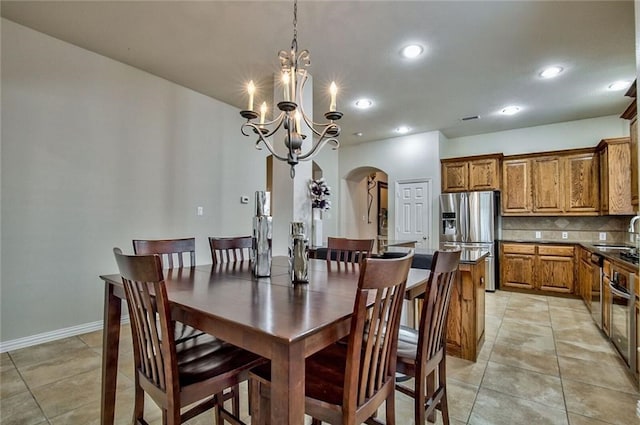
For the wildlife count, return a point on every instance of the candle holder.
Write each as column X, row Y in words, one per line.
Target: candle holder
column 298, row 254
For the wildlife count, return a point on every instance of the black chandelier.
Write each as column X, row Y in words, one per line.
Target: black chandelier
column 294, row 77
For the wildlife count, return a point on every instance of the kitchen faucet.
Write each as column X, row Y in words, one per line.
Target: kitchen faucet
column 632, row 224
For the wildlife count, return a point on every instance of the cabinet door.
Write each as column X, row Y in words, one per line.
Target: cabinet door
column 637, row 312
column 554, row 273
column 517, row 271
column 455, row 176
column 582, row 194
column 546, row 184
column 634, row 163
column 483, row 174
column 585, row 281
column 619, row 178
column 604, row 182
column 516, row 186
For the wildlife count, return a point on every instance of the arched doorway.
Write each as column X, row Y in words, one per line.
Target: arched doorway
column 365, row 204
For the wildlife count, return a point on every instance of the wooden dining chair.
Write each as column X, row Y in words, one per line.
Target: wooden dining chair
column 348, row 252
column 230, row 250
column 422, row 353
column 175, row 375
column 172, row 251
column 347, row 383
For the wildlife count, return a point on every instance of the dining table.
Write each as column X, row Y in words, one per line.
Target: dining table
column 269, row 316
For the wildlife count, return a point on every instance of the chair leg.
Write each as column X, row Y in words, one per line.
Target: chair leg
column 419, row 398
column 254, row 401
column 216, row 410
column 235, row 401
column 391, row 409
column 138, row 404
column 442, row 382
column 431, row 388
column 315, row 421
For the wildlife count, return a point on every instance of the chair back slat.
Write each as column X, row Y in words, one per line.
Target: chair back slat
column 348, row 252
column 433, row 320
column 148, row 306
column 230, row 250
column 172, row 251
column 373, row 340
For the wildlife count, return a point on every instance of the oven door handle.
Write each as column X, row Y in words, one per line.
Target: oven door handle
column 619, row 293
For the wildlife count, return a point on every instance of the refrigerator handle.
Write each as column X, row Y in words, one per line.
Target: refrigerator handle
column 464, row 216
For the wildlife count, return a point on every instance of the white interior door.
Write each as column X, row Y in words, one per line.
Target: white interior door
column 413, row 212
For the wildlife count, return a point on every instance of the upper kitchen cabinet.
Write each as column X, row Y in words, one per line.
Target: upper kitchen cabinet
column 516, row 186
column 473, row 173
column 631, row 114
column 554, row 183
column 615, row 176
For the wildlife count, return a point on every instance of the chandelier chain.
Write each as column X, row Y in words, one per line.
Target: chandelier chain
column 294, row 43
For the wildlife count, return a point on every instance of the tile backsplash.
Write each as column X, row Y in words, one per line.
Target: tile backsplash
column 578, row 229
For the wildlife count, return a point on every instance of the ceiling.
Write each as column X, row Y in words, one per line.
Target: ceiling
column 480, row 56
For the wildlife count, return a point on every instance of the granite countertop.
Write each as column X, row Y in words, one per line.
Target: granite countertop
column 467, row 256
column 595, row 247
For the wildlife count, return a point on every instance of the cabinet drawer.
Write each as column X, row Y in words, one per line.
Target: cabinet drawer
column 559, row 251
column 518, row 248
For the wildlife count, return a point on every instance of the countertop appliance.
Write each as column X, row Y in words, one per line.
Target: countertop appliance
column 471, row 220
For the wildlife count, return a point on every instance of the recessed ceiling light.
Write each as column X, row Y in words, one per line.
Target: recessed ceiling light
column 358, row 134
column 619, row 85
column 403, row 129
column 412, row 51
column 552, row 71
column 364, row 103
column 510, row 110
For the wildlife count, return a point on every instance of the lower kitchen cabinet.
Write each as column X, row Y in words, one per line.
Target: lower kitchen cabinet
column 585, row 276
column 544, row 268
column 637, row 312
column 606, row 309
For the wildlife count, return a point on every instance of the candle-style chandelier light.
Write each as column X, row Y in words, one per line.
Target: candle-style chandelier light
column 294, row 77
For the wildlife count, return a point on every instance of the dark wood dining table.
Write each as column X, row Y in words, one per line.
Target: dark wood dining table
column 269, row 316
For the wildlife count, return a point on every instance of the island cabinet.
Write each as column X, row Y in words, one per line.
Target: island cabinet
column 537, row 268
column 551, row 184
column 473, row 173
column 615, row 176
column 465, row 321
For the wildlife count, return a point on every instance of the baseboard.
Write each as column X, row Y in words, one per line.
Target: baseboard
column 29, row 341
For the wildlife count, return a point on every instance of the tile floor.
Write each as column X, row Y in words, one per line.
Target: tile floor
column 543, row 362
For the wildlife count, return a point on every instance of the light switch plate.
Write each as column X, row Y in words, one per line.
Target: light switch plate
column 200, row 211
column 565, row 235
column 538, row 235
column 602, row 236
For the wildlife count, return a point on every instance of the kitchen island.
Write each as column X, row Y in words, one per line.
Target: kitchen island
column 465, row 324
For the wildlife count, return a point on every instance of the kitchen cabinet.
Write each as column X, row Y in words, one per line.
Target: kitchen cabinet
column 551, row 184
column 539, row 268
column 555, row 268
column 582, row 194
column 516, row 265
column 465, row 321
column 631, row 114
column 547, row 186
column 615, row 176
column 474, row 173
column 585, row 276
column 516, row 186
column 637, row 313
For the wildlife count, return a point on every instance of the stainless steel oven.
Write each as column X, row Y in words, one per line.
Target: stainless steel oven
column 622, row 315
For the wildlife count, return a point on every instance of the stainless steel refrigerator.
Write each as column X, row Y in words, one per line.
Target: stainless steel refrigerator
column 471, row 220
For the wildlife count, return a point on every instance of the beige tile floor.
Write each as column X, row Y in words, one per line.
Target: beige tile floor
column 543, row 362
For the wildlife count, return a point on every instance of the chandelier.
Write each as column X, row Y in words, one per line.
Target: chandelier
column 293, row 66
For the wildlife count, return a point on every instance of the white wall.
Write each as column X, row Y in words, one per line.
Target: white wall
column 565, row 135
column 94, row 154
column 402, row 158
